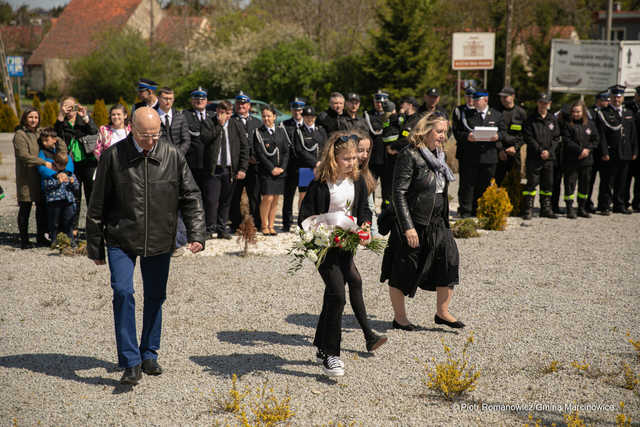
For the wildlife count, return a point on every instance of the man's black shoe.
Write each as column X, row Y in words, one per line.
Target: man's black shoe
column 131, row 375
column 440, row 321
column 224, row 235
column 625, row 211
column 151, row 367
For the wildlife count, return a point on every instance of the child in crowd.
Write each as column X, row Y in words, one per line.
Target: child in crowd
column 58, row 194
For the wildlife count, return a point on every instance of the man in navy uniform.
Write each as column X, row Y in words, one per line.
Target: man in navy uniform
column 602, row 101
column 291, row 181
column 618, row 146
column 462, row 110
column 200, row 128
column 479, row 156
column 251, row 182
column 146, row 92
column 375, row 120
column 634, row 167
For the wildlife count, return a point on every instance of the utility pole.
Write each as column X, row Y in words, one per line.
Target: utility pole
column 151, row 27
column 609, row 20
column 507, row 54
column 6, row 80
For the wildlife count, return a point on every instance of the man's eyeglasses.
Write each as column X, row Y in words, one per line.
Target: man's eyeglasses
column 148, row 135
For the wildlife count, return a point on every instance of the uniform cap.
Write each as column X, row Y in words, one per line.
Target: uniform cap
column 242, row 97
column 544, row 97
column 146, row 84
column 199, row 93
column 433, row 92
column 479, row 94
column 410, row 100
column 353, row 97
column 604, row 95
column 309, row 111
column 469, row 91
column 388, row 107
column 507, row 91
column 617, row 89
column 380, row 96
column 297, row 103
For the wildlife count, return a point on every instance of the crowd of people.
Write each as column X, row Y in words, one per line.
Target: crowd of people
column 160, row 181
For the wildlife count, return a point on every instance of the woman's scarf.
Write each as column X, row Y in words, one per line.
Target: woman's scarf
column 438, row 164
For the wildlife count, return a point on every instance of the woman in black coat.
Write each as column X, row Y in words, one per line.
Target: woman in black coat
column 271, row 147
column 339, row 187
column 421, row 251
column 579, row 139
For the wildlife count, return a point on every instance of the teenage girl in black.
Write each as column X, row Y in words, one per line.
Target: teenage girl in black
column 339, row 187
column 271, row 147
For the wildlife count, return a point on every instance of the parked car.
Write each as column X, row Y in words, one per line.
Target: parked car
column 256, row 106
column 3, row 97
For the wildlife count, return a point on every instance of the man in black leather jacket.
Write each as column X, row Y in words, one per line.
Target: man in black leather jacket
column 140, row 185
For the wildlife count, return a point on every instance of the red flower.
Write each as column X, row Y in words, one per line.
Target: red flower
column 336, row 239
column 363, row 235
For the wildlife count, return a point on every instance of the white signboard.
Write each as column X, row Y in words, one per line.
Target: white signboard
column 630, row 65
column 473, row 51
column 587, row 66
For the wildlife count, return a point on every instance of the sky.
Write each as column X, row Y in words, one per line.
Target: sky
column 45, row 4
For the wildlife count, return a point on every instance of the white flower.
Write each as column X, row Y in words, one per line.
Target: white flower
column 312, row 256
column 300, row 244
column 296, row 229
column 321, row 241
column 307, row 236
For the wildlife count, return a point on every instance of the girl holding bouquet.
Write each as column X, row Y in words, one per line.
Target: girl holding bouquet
column 421, row 251
column 339, row 187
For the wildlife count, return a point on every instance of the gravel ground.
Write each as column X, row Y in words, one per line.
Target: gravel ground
column 557, row 290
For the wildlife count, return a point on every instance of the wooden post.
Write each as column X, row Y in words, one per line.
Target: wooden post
column 458, row 88
column 507, row 54
column 6, row 81
column 609, row 20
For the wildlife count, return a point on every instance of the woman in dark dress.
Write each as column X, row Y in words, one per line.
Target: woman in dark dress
column 421, row 251
column 339, row 187
column 271, row 147
column 579, row 139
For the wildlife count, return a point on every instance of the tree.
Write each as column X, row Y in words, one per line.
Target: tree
column 100, row 115
column 36, row 104
column 407, row 55
column 16, row 97
column 127, row 110
column 286, row 70
column 6, row 12
column 8, row 119
column 113, row 68
column 49, row 114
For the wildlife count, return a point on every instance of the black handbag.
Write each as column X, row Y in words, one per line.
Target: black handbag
column 89, row 143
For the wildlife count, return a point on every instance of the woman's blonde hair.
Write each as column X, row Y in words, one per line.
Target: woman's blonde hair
column 423, row 127
column 337, row 143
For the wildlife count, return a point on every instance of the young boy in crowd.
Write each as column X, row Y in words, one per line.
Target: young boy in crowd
column 58, row 194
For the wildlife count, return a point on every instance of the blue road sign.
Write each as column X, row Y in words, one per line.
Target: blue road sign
column 15, row 65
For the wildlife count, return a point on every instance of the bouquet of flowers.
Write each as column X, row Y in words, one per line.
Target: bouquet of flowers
column 319, row 233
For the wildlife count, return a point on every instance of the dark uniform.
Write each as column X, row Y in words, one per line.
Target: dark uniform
column 329, row 120
column 479, row 158
column 514, row 119
column 620, row 142
column 291, row 182
column 576, row 137
column 462, row 110
column 424, row 109
column 634, row 167
column 144, row 85
column 251, row 182
column 540, row 134
column 201, row 132
column 592, row 114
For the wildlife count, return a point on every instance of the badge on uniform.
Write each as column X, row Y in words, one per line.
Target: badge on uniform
column 587, row 131
column 551, row 126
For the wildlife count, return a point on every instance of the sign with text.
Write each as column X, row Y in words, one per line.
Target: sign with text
column 15, row 66
column 586, row 66
column 473, row 51
column 630, row 65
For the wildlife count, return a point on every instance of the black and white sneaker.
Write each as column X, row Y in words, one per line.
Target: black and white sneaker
column 333, row 366
column 320, row 356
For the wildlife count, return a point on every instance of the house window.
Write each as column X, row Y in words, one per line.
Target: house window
column 618, row 33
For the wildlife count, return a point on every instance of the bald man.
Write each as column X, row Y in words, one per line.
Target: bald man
column 140, row 185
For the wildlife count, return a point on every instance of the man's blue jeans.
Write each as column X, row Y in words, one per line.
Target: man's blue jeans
column 155, row 272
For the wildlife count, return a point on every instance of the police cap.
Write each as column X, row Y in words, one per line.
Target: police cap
column 617, row 90
column 604, row 95
column 380, row 96
column 199, row 93
column 480, row 94
column 297, row 103
column 242, row 98
column 469, row 91
column 146, row 84
column 309, row 111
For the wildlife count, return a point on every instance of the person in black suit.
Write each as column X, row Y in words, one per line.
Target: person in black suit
column 146, row 92
column 271, row 148
column 200, row 124
column 251, row 182
column 226, row 161
column 174, row 126
column 330, row 119
column 291, row 126
column 480, row 157
column 308, row 143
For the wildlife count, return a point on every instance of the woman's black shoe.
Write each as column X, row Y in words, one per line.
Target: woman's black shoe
column 375, row 341
column 440, row 321
column 409, row 327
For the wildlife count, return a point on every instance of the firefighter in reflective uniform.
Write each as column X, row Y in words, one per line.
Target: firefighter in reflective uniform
column 395, row 139
column 514, row 118
column 542, row 136
column 634, row 167
column 619, row 146
column 457, row 126
column 602, row 101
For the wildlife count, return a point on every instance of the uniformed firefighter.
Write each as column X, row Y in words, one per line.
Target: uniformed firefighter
column 514, row 118
column 542, row 136
column 291, row 180
column 350, row 120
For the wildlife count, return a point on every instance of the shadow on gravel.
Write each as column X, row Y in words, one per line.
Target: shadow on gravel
column 255, row 338
column 10, row 239
column 64, row 366
column 348, row 321
column 242, row 364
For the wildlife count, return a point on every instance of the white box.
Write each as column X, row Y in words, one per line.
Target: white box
column 484, row 133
